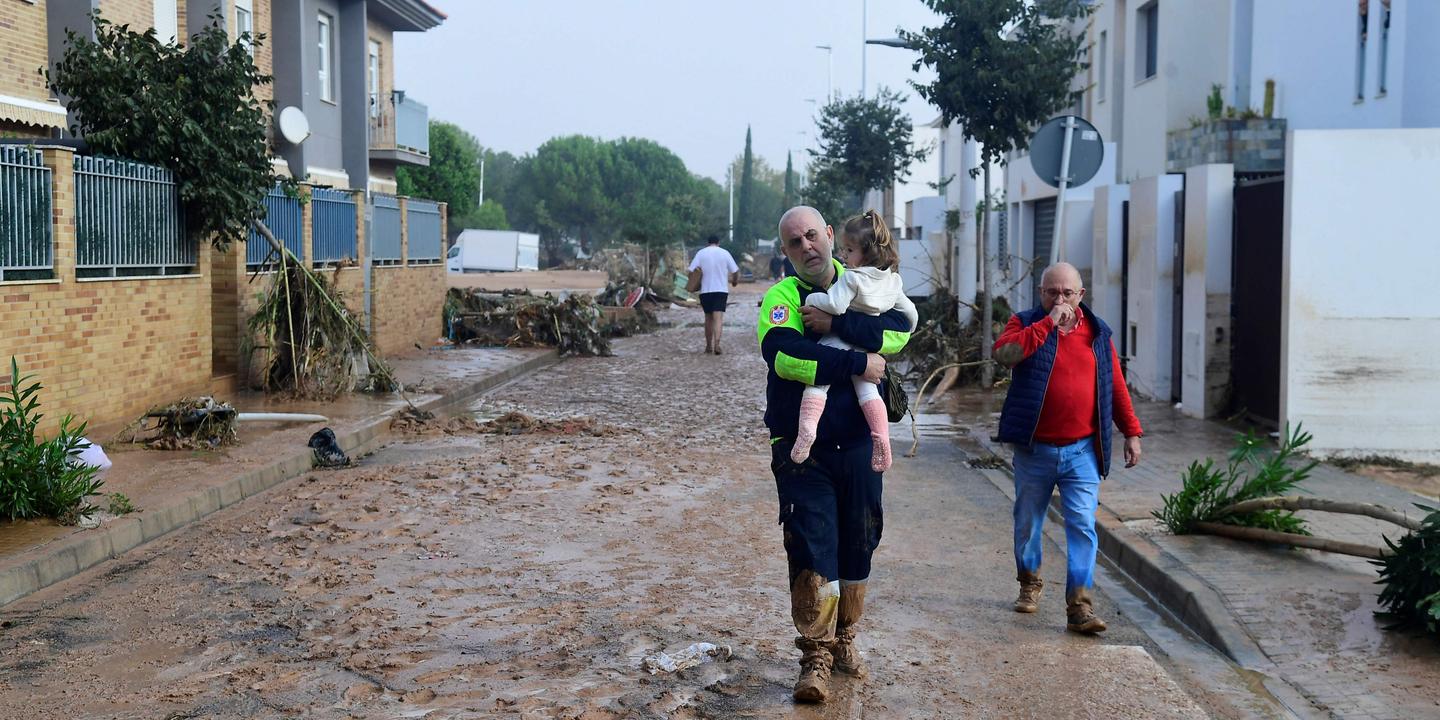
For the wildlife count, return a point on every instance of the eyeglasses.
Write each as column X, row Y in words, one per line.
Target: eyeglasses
column 1052, row 293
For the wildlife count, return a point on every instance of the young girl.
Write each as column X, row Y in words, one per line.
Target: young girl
column 871, row 284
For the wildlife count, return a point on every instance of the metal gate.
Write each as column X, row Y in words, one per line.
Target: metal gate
column 1259, row 244
column 1177, row 300
column 1044, row 237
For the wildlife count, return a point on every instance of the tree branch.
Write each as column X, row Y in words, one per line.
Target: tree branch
column 1298, row 502
column 1282, row 538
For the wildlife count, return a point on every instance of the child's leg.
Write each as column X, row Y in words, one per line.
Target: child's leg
column 873, row 407
column 812, row 406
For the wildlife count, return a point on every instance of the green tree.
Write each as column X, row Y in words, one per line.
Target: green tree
column 453, row 175
column 788, row 197
column 745, row 200
column 489, row 216
column 191, row 109
column 501, row 169
column 1002, row 67
column 865, row 142
column 560, row 193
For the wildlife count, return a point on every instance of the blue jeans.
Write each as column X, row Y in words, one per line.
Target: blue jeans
column 1075, row 470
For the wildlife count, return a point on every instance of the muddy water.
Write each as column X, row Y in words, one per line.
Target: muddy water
column 474, row 575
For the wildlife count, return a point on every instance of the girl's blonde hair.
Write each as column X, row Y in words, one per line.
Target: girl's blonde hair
column 877, row 246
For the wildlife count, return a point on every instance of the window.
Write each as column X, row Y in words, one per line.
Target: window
column 1147, row 40
column 1100, row 76
column 374, row 79
column 326, row 43
column 167, row 21
column 245, row 23
column 1364, row 18
column 1384, row 41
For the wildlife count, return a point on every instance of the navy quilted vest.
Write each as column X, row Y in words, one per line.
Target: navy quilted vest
column 1028, row 381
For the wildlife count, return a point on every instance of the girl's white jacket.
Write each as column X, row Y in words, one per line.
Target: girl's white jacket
column 869, row 290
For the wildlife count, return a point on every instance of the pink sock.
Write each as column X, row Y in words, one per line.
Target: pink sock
column 811, row 408
column 879, row 433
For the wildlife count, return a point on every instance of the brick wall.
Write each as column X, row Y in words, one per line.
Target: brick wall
column 138, row 14
column 23, row 50
column 106, row 350
column 1250, row 145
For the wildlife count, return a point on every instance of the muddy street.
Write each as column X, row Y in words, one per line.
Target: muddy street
column 460, row 573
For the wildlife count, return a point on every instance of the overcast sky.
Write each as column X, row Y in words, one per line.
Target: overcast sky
column 689, row 74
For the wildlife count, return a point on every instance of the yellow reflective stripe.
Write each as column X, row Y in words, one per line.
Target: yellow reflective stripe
column 796, row 369
column 775, row 440
column 893, row 341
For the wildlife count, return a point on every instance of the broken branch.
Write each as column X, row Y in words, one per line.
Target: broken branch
column 1297, row 502
column 1272, row 536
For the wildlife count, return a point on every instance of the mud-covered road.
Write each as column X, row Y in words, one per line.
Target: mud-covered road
column 527, row 575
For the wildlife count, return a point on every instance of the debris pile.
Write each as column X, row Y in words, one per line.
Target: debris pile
column 662, row 274
column 520, row 319
column 939, row 340
column 201, row 423
column 312, row 345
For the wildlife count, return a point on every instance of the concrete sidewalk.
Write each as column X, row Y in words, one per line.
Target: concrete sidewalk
column 1305, row 617
column 173, row 489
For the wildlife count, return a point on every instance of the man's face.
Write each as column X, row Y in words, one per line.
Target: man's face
column 808, row 244
column 1061, row 286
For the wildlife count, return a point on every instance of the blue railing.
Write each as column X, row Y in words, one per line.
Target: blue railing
column 283, row 217
column 128, row 221
column 27, row 248
column 426, row 245
column 412, row 126
column 332, row 226
column 385, row 230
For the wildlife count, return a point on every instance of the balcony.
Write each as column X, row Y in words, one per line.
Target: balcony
column 401, row 132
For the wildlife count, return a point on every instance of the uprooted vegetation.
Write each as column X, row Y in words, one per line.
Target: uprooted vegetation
column 200, row 423
column 1208, row 493
column 941, row 342
column 520, row 319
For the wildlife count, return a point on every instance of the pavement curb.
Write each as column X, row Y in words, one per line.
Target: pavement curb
column 67, row 557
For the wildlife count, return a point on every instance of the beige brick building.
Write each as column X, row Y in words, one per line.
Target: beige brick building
column 26, row 108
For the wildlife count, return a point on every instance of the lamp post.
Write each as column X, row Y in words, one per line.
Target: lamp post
column 864, row 22
column 829, row 78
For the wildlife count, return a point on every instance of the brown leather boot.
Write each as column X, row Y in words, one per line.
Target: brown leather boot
column 1079, row 614
column 1030, row 587
column 813, row 686
column 847, row 658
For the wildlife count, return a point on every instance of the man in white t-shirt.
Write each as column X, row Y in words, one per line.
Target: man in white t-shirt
column 716, row 268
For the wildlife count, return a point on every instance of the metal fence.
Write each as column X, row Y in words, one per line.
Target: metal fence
column 283, row 217
column 128, row 221
column 332, row 226
column 27, row 248
column 385, row 230
column 426, row 245
column 412, row 126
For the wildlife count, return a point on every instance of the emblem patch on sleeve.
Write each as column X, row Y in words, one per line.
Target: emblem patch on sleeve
column 779, row 314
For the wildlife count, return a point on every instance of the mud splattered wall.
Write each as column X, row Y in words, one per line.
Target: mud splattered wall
column 1360, row 320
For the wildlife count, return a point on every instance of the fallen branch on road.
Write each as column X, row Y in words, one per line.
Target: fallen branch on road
column 1283, row 538
column 1299, row 502
column 920, row 399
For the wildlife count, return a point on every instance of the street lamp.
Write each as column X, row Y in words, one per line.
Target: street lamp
column 829, row 82
column 891, row 42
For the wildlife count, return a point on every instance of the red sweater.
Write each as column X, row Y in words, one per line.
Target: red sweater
column 1068, row 413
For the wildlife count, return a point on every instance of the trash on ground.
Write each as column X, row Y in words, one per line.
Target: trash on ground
column 200, row 423
column 327, row 450
column 92, row 455
column 696, row 654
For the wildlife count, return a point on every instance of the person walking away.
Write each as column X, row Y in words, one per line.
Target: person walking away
column 871, row 285
column 830, row 505
column 1066, row 388
column 716, row 268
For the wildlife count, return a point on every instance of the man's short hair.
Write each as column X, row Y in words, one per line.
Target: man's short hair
column 712, row 240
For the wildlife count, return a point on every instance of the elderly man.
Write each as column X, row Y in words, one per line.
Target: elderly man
column 1065, row 390
column 830, row 504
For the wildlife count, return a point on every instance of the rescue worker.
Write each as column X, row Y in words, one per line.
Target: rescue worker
column 829, row 505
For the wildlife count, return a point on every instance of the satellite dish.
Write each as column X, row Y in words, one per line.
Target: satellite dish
column 293, row 125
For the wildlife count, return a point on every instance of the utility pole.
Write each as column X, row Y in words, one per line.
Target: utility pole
column 730, row 180
column 829, row 67
column 482, row 179
column 864, row 54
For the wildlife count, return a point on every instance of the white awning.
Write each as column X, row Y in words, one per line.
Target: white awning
column 32, row 112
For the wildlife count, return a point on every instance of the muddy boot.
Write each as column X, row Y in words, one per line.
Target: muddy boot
column 1030, row 586
column 1080, row 616
column 847, row 658
column 814, row 683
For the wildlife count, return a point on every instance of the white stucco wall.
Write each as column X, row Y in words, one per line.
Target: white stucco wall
column 1152, row 277
column 1104, row 291
column 1360, row 331
column 1205, row 341
column 1077, row 229
column 1310, row 49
